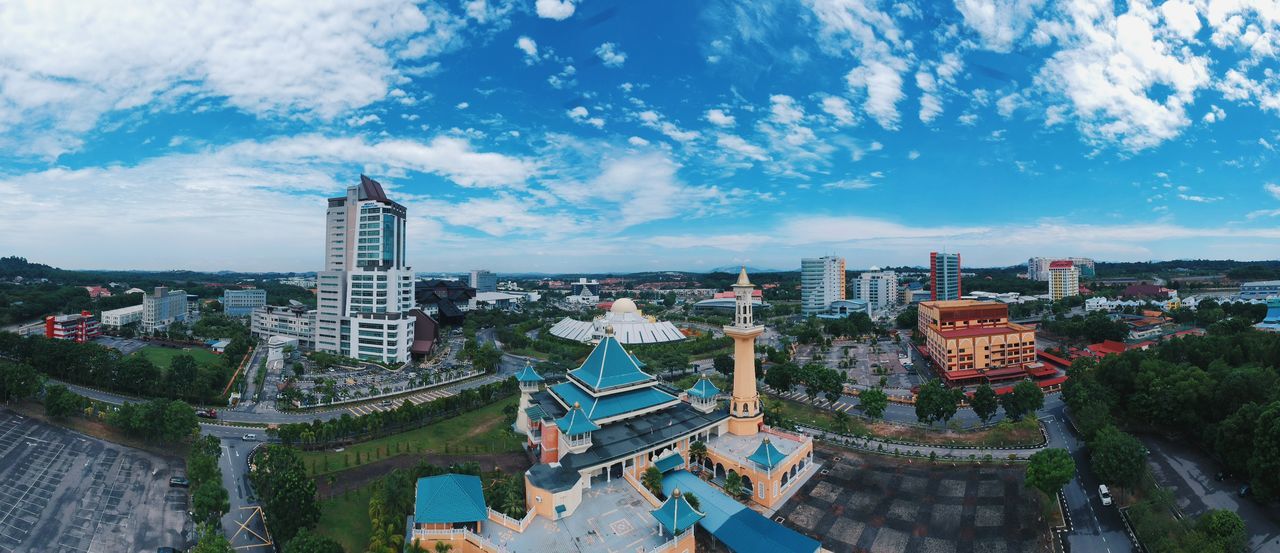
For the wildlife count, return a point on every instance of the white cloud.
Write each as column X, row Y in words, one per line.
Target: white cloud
column 740, row 147
column 913, row 155
column 463, row 105
column 1263, row 142
column 876, row 146
column 637, row 141
column 849, row 184
column 651, row 119
column 872, row 37
column 719, row 118
column 1273, row 189
column 838, row 108
column 882, row 85
column 610, row 55
column 999, row 23
column 1214, row 114
column 784, row 110
column 363, row 120
column 1181, row 17
column 967, row 119
column 558, row 10
column 529, row 47
column 564, row 79
column 1199, row 199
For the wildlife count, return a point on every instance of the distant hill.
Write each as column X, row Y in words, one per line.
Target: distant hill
column 733, row 269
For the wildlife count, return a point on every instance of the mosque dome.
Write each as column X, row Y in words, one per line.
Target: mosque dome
column 624, row 305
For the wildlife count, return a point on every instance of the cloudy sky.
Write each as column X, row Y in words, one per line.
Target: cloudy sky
column 567, row 135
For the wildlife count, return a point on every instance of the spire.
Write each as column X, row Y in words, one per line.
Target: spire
column 742, row 278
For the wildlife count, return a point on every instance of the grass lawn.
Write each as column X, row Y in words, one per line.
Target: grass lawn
column 345, row 518
column 1006, row 434
column 481, row 431
column 163, row 357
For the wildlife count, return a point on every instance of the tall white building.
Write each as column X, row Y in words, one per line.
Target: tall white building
column 1038, row 267
column 163, row 307
column 365, row 292
column 878, row 288
column 1064, row 279
column 484, row 281
column 821, row 282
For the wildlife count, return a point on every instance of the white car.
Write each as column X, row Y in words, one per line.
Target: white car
column 249, row 437
column 1104, row 494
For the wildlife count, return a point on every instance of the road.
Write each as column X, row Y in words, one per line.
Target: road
column 1095, row 528
column 242, row 523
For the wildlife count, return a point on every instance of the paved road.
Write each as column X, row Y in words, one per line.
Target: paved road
column 242, row 524
column 1095, row 528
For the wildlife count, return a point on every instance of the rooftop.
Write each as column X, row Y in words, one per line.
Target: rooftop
column 609, row 366
column 612, row 518
column 983, row 331
column 743, row 447
column 449, row 498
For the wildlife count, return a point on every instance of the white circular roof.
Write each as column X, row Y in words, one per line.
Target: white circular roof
column 624, row 305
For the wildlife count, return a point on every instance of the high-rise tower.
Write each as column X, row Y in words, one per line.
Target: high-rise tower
column 745, row 416
column 365, row 292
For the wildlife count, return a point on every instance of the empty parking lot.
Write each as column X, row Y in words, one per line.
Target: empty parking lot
column 869, row 503
column 63, row 492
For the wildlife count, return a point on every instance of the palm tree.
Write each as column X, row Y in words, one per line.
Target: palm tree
column 697, row 451
column 442, row 547
column 652, row 480
column 733, row 484
column 693, row 501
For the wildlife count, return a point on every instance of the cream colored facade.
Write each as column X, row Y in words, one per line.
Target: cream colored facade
column 973, row 335
column 1064, row 282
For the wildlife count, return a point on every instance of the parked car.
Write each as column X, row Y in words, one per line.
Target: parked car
column 179, row 482
column 1104, row 494
column 249, row 437
column 207, row 413
column 1245, row 490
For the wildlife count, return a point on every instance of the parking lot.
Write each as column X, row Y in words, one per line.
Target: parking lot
column 879, row 504
column 125, row 346
column 64, row 492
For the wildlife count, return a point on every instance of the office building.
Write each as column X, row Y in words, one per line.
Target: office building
column 79, row 328
column 821, row 282
column 585, row 287
column 241, row 303
column 1260, row 290
column 293, row 321
column 971, row 340
column 163, row 307
column 1038, row 267
column 1064, row 280
column 365, row 292
column 116, row 318
column 878, row 288
column 484, row 281
column 944, row 276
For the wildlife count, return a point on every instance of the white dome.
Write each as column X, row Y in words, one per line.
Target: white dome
column 624, row 305
column 874, row 268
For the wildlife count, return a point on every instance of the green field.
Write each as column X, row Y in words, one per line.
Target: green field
column 481, row 431
column 163, row 357
column 345, row 518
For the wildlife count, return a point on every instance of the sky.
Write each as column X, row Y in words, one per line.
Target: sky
column 594, row 136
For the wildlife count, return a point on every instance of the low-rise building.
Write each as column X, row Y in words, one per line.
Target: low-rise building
column 497, row 300
column 841, row 309
column 971, row 340
column 79, row 328
column 241, row 303
column 1260, row 290
column 116, row 318
column 292, row 321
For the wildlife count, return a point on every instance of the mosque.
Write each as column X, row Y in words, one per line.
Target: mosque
column 628, row 323
column 595, row 435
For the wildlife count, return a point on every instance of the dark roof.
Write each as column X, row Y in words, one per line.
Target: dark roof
column 553, row 479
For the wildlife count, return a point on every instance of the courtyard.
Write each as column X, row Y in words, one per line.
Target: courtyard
column 882, row 505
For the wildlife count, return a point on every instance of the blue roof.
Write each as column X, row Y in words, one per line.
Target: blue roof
column 598, row 408
column 610, row 366
column 449, row 498
column 676, row 514
column 527, row 374
column 704, row 389
column 666, row 464
column 576, row 422
column 766, row 455
column 741, row 529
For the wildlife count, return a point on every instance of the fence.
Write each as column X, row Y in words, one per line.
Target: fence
column 511, row 523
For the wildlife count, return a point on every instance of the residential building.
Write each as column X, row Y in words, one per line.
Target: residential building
column 116, row 318
column 293, row 321
column 944, row 276
column 1038, row 267
column 365, row 294
column 822, row 281
column 163, row 307
column 970, row 340
column 585, row 287
column 484, row 281
column 878, row 288
column 1064, row 280
column 79, row 328
column 1260, row 290
column 241, row 303
column 96, row 292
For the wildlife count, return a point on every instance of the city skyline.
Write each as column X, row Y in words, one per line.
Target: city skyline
column 559, row 136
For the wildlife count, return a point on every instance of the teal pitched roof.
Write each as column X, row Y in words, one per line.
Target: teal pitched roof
column 676, row 514
column 576, row 422
column 536, row 413
column 609, row 366
column 704, row 389
column 766, row 455
column 612, row 405
column 669, row 462
column 527, row 374
column 449, row 498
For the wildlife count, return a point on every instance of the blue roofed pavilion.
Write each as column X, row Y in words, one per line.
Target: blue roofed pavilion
column 609, row 366
column 449, row 499
column 576, row 422
column 676, row 514
column 767, row 455
column 528, row 375
column 704, row 389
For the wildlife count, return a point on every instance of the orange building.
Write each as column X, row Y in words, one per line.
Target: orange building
column 970, row 340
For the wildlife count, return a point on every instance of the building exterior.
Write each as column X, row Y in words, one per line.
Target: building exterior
column 445, row 300
column 628, row 324
column 498, row 300
column 241, row 303
column 293, row 321
column 1038, row 267
column 484, row 281
column 585, row 287
column 822, row 281
column 116, row 318
column 1064, row 280
column 944, row 276
column 163, row 307
column 1270, row 321
column 841, row 309
column 1260, row 290
column 96, row 292
column 365, row 293
column 970, row 340
column 79, row 328
column 878, row 288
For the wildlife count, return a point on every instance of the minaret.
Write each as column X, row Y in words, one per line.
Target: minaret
column 745, row 416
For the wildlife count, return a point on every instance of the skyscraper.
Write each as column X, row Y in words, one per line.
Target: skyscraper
column 821, row 282
column 484, row 281
column 878, row 288
column 1064, row 279
column 944, row 276
column 365, row 291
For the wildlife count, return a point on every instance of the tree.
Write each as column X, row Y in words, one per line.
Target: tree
column 442, row 547
column 873, row 402
column 211, row 540
column 1026, row 397
column 17, row 381
column 693, row 501
column 652, row 480
column 697, row 451
column 59, row 402
column 908, row 318
column 1117, row 457
column 1224, row 528
column 182, row 375
column 306, row 542
column 984, row 402
column 1264, row 463
column 288, row 495
column 723, row 364
column 733, row 485
column 1048, row 470
column 841, row 420
column 936, row 402
column 782, row 377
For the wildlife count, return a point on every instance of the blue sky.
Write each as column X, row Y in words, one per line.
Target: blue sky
column 561, row 136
